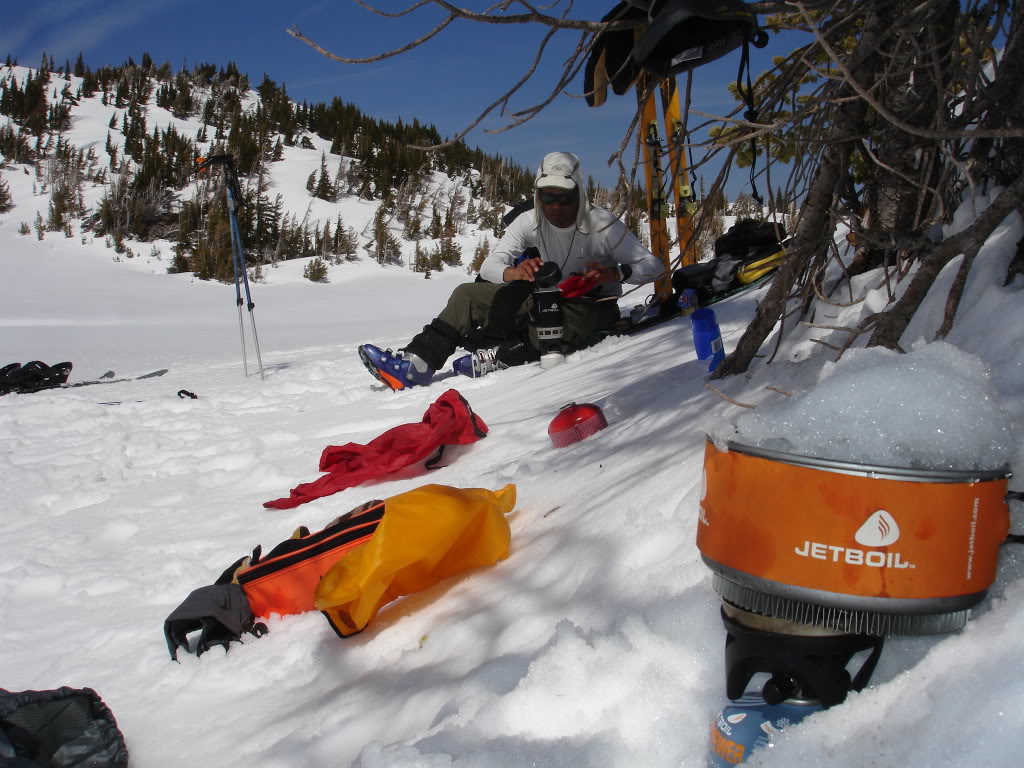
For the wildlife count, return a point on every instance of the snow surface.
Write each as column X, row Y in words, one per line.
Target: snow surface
column 933, row 408
column 596, row 643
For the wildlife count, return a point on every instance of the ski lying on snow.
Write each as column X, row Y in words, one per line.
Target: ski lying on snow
column 102, row 380
column 673, row 313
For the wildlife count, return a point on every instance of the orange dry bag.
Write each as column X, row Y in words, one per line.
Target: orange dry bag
column 425, row 536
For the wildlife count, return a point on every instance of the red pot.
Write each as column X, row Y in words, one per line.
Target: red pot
column 574, row 423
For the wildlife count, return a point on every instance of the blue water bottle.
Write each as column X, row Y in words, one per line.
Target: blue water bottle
column 707, row 338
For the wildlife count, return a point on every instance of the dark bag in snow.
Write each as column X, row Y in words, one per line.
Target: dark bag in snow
column 748, row 251
column 33, row 376
column 749, row 234
column 63, row 728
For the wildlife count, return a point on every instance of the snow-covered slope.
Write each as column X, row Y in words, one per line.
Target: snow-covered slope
column 597, row 643
column 90, row 121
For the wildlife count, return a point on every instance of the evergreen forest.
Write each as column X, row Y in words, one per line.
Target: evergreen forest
column 150, row 191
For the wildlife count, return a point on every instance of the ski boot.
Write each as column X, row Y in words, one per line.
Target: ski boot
column 51, row 377
column 478, row 363
column 398, row 370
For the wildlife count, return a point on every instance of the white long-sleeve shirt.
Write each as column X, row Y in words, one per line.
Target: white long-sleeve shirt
column 605, row 242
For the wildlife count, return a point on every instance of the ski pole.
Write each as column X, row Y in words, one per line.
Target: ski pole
column 234, row 194
column 238, row 292
column 241, row 273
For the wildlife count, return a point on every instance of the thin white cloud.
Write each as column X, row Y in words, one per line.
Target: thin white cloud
column 314, row 9
column 350, row 73
column 63, row 28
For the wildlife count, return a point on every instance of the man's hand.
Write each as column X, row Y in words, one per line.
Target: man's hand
column 600, row 274
column 524, row 271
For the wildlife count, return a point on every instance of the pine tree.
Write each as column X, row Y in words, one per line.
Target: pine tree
column 386, row 246
column 323, row 188
column 111, row 148
column 450, row 252
column 316, row 270
column 343, row 243
column 436, row 228
column 450, row 218
column 181, row 107
column 326, row 248
column 180, row 262
column 413, row 228
column 6, row 202
column 420, row 260
column 435, row 262
column 59, row 208
column 481, row 252
column 746, row 207
column 348, row 244
column 499, row 221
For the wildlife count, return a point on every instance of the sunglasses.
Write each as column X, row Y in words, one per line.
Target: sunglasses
column 554, row 198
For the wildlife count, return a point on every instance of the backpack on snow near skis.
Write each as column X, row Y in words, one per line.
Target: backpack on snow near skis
column 353, row 567
column 33, row 376
column 749, row 251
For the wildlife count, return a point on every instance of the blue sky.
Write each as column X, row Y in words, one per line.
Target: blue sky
column 447, row 82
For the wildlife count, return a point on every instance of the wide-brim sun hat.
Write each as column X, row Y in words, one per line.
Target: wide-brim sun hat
column 556, row 171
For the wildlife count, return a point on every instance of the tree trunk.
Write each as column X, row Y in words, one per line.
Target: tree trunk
column 814, row 220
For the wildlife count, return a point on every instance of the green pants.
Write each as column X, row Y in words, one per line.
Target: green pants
column 584, row 320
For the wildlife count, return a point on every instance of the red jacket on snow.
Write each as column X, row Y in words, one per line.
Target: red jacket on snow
column 448, row 421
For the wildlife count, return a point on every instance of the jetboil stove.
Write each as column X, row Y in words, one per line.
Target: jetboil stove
column 817, row 560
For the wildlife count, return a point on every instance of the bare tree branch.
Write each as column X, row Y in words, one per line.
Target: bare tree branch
column 294, row 32
column 889, row 116
column 889, row 330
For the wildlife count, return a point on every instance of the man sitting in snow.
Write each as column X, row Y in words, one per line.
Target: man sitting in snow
column 489, row 317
